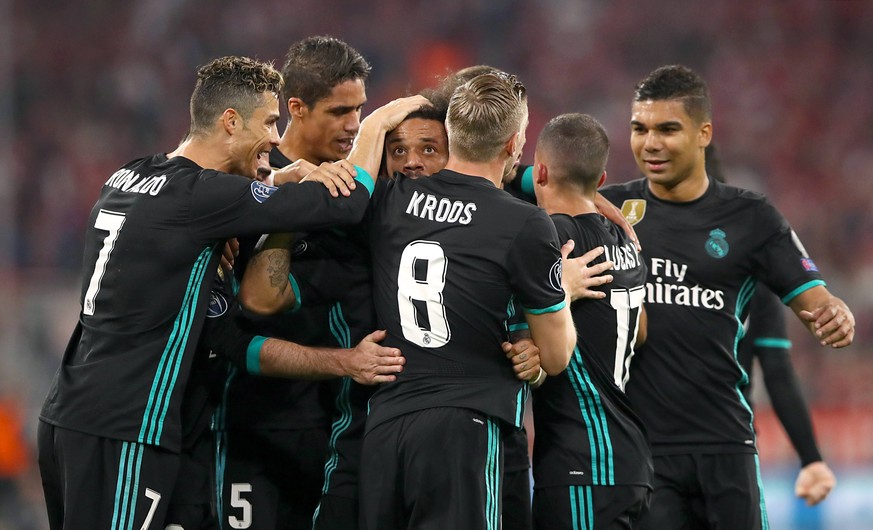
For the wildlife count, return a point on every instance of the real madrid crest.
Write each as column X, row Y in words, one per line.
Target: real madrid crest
column 633, row 210
column 717, row 246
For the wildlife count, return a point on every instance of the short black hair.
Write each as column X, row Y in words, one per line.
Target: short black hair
column 436, row 111
column 314, row 65
column 577, row 148
column 677, row 82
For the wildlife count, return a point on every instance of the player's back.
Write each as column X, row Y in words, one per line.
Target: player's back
column 449, row 252
column 587, row 432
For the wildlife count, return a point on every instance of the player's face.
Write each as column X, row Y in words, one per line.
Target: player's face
column 330, row 125
column 258, row 136
column 667, row 143
column 417, row 147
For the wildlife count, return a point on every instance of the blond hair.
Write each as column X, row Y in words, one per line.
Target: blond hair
column 483, row 115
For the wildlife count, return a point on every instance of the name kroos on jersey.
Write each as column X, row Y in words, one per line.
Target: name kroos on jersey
column 441, row 210
column 668, row 289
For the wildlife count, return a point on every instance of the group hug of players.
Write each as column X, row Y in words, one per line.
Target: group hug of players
column 222, row 370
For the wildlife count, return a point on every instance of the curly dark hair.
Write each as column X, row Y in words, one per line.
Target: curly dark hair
column 677, row 82
column 231, row 82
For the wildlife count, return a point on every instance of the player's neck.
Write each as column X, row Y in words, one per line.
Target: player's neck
column 294, row 148
column 492, row 171
column 205, row 152
column 569, row 202
column 687, row 190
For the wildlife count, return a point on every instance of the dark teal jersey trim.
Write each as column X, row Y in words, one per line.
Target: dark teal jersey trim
column 364, row 178
column 594, row 417
column 171, row 359
column 747, row 291
column 805, row 287
column 127, row 486
column 298, row 299
column 341, row 332
column 253, row 355
column 772, row 342
column 551, row 309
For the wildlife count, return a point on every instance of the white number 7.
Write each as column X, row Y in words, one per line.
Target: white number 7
column 111, row 222
column 155, row 498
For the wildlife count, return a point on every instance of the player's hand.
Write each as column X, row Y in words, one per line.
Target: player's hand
column 814, row 482
column 578, row 278
column 338, row 177
column 369, row 363
column 525, row 357
column 611, row 212
column 833, row 323
column 230, row 252
column 293, row 172
column 389, row 116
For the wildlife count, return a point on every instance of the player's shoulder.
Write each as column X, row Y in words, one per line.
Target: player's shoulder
column 589, row 230
column 743, row 200
column 625, row 190
column 728, row 192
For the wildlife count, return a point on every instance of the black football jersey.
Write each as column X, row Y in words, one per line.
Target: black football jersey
column 704, row 259
column 151, row 252
column 586, row 430
column 272, row 403
column 449, row 252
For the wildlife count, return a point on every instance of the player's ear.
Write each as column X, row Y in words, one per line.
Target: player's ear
column 705, row 134
column 509, row 146
column 230, row 121
column 296, row 108
column 602, row 179
column 540, row 174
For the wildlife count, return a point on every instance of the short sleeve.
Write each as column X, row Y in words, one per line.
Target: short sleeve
column 534, row 266
column 781, row 260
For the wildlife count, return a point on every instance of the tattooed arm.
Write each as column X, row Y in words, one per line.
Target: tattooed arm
column 267, row 287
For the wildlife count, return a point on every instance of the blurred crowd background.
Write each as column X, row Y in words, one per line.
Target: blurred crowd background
column 88, row 85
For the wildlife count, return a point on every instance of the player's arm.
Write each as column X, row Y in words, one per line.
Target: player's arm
column 534, row 262
column 827, row 317
column 366, row 363
column 369, row 144
column 553, row 331
column 267, row 286
column 815, row 480
column 555, row 335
